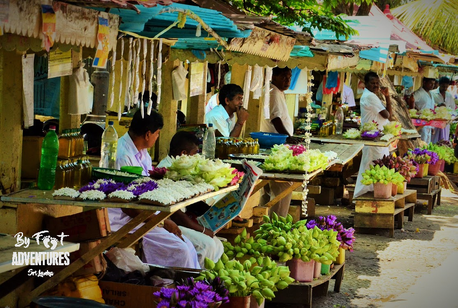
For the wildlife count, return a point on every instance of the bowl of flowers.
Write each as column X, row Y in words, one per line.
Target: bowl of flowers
column 369, row 130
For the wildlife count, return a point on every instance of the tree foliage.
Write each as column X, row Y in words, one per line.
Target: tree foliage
column 309, row 14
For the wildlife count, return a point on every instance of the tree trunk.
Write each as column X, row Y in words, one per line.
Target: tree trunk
column 364, row 9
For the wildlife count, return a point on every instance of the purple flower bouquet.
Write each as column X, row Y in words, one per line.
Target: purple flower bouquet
column 191, row 294
column 424, row 156
column 344, row 236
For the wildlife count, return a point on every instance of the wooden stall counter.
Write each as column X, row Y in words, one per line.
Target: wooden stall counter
column 120, row 238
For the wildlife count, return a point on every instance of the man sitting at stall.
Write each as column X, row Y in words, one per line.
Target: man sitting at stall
column 372, row 109
column 206, row 243
column 166, row 245
column 223, row 117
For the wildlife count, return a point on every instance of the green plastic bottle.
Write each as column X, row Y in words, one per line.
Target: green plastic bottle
column 48, row 162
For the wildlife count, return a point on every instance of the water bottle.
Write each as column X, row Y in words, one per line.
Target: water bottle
column 109, row 146
column 339, row 117
column 209, row 145
column 48, row 162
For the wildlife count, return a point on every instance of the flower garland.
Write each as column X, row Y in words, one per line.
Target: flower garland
column 307, row 135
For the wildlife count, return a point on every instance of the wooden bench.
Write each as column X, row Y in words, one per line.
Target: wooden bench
column 371, row 213
column 303, row 292
column 433, row 198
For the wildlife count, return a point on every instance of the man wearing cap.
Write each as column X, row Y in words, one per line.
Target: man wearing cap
column 423, row 99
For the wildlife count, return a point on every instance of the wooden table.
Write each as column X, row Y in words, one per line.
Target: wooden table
column 345, row 153
column 340, row 139
column 120, row 238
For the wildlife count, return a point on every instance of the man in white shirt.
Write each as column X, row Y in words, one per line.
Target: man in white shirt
column 162, row 246
column 280, row 123
column 424, row 100
column 442, row 97
column 223, row 115
column 204, row 240
column 372, row 109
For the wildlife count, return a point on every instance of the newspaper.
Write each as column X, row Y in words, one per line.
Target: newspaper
column 228, row 207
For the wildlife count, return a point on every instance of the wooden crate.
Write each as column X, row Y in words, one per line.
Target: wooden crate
column 368, row 204
column 371, row 213
column 425, row 185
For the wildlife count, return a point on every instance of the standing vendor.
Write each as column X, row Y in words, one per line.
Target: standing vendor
column 162, row 246
column 223, row 115
column 372, row 109
column 279, row 122
column 443, row 98
column 423, row 99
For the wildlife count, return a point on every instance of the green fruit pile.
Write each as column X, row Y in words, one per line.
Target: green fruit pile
column 260, row 278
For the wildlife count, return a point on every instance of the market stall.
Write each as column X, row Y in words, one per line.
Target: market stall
column 117, row 238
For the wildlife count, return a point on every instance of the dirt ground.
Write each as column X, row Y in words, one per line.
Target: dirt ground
column 382, row 268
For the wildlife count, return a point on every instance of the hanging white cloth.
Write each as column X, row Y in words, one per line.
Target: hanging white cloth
column 80, row 92
column 267, row 92
column 179, row 82
column 246, row 87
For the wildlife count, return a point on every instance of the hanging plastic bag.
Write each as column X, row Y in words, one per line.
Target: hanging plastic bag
column 125, row 259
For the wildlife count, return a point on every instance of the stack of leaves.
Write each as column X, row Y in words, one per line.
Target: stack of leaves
column 405, row 166
column 345, row 236
column 383, row 175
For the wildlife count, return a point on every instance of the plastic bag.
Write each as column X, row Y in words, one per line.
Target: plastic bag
column 125, row 259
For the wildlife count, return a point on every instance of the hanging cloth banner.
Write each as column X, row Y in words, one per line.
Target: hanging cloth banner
column 246, row 87
column 101, row 55
column 48, row 26
column 267, row 92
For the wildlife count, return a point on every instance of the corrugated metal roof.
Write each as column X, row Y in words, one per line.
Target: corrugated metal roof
column 151, row 22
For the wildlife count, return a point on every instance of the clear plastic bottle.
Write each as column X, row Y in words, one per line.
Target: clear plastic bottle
column 339, row 119
column 209, row 144
column 48, row 162
column 60, row 175
column 109, row 146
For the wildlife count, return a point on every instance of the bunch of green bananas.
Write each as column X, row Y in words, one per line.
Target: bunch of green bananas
column 260, row 278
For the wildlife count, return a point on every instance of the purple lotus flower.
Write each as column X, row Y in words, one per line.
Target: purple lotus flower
column 138, row 189
column 423, row 156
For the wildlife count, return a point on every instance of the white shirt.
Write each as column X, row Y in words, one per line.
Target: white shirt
column 221, row 121
column 212, row 103
column 371, row 106
column 423, row 99
column 439, row 99
column 127, row 154
column 347, row 96
column 278, row 109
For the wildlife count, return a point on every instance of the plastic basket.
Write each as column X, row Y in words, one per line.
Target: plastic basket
column 268, row 140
